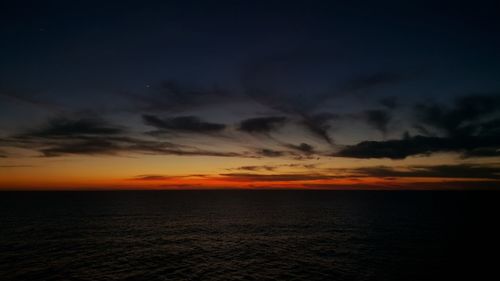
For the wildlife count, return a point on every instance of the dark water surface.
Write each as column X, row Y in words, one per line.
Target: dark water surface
column 248, row 235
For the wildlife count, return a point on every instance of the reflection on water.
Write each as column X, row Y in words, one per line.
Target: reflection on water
column 245, row 235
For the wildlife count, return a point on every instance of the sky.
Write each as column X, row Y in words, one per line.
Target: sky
column 249, row 94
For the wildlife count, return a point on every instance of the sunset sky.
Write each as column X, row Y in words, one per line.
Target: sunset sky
column 249, row 94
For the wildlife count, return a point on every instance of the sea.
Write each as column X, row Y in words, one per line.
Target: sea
column 249, row 235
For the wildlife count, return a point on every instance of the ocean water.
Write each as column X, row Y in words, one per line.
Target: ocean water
column 248, row 235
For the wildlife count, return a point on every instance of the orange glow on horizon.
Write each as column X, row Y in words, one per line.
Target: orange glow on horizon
column 222, row 182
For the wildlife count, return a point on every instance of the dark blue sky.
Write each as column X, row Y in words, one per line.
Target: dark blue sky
column 75, row 47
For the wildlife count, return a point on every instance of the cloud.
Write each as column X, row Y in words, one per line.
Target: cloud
column 371, row 81
column 319, row 124
column 94, row 136
column 414, row 185
column 269, row 82
column 389, row 102
column 378, row 119
column 86, row 147
column 470, row 126
column 262, row 125
column 174, row 96
column 270, row 152
column 248, row 177
column 154, row 177
column 28, row 98
column 304, row 148
column 421, row 145
column 65, row 127
column 271, row 168
column 186, row 124
column 438, row 171
column 121, row 146
column 466, row 116
column 256, row 168
column 275, row 81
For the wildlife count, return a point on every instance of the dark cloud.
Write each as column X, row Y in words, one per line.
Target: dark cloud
column 88, row 136
column 86, row 147
column 389, row 102
column 271, row 168
column 414, row 185
column 470, row 126
column 186, row 124
column 438, row 171
column 121, row 146
column 28, row 97
column 304, row 148
column 245, row 177
column 268, row 82
column 466, row 116
column 174, row 96
column 276, row 81
column 421, row 145
column 168, row 148
column 152, row 177
column 371, row 81
column 66, row 127
column 65, row 135
column 94, row 136
column 262, row 125
column 257, row 168
column 378, row 119
column 270, row 153
column 319, row 124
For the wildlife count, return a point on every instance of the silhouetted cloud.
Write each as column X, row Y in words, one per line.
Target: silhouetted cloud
column 154, row 177
column 247, row 177
column 304, row 148
column 29, row 98
column 438, row 171
column 256, row 168
column 389, row 102
column 260, row 80
column 94, row 136
column 378, row 119
column 414, row 185
column 466, row 116
column 66, row 127
column 186, row 124
column 371, row 81
column 86, row 147
column 271, row 168
column 470, row 126
column 270, row 152
column 119, row 146
column 319, row 124
column 420, row 145
column 262, row 125
column 174, row 96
